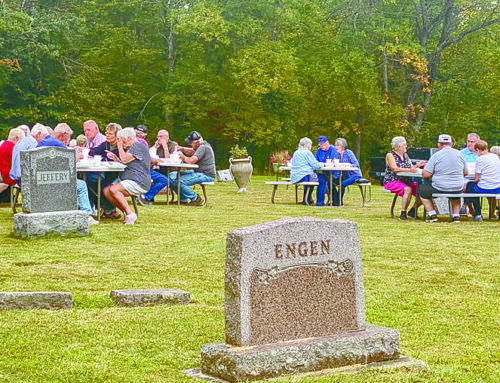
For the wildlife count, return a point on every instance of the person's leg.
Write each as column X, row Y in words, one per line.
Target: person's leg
column 173, row 182
column 117, row 195
column 346, row 182
column 425, row 194
column 3, row 187
column 159, row 182
column 83, row 197
column 405, row 200
column 187, row 179
column 321, row 190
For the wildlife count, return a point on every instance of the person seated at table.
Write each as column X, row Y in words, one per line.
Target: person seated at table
column 110, row 145
column 38, row 132
column 159, row 180
column 349, row 176
column 446, row 170
column 200, row 153
column 486, row 179
column 162, row 149
column 325, row 153
column 60, row 138
column 6, row 148
column 303, row 166
column 397, row 161
column 495, row 150
column 135, row 179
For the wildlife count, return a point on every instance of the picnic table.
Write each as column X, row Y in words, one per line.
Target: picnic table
column 171, row 165
column 90, row 166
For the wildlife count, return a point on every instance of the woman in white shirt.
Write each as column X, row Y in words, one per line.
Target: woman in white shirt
column 486, row 180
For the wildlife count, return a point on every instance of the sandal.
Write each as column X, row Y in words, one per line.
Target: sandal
column 112, row 215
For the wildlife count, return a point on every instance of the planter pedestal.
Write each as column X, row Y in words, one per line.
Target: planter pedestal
column 241, row 169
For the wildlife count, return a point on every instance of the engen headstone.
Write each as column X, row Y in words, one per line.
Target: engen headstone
column 294, row 302
column 48, row 179
column 48, row 185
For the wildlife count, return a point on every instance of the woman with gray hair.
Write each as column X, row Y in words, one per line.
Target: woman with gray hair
column 348, row 177
column 303, row 166
column 397, row 161
column 135, row 179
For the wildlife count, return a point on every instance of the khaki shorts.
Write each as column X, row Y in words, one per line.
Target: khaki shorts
column 131, row 186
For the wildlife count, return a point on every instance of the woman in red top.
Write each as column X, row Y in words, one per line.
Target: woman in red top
column 6, row 157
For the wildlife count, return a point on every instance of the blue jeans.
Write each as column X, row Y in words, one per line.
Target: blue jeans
column 159, row 182
column 83, row 197
column 188, row 178
column 324, row 183
column 345, row 182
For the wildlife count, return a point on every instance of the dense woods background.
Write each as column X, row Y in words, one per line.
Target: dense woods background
column 256, row 73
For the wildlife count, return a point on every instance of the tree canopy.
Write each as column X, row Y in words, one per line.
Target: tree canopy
column 260, row 74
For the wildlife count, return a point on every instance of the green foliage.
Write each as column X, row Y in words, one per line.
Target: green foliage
column 237, row 152
column 262, row 73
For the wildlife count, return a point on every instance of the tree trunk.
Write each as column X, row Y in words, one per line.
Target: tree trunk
column 356, row 146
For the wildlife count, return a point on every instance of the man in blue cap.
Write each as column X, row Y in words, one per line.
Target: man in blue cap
column 325, row 153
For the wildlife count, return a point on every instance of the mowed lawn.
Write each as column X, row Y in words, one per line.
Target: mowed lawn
column 438, row 283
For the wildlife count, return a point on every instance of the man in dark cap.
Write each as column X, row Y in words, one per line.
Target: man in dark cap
column 200, row 153
column 141, row 132
column 325, row 153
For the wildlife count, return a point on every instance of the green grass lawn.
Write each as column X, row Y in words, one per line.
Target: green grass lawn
column 437, row 283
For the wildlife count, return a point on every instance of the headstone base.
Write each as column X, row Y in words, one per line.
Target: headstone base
column 34, row 225
column 48, row 300
column 237, row 364
column 401, row 362
column 149, row 297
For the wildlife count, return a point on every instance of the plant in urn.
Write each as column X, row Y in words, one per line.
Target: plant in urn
column 241, row 167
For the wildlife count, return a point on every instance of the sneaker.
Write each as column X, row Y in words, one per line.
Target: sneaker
column 130, row 219
column 92, row 221
column 144, row 201
column 432, row 218
column 455, row 219
column 197, row 202
column 403, row 216
column 478, row 218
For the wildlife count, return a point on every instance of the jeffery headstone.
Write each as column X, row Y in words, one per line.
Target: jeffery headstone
column 50, row 205
column 48, row 179
column 294, row 302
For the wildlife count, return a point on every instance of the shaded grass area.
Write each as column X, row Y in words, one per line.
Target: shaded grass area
column 437, row 283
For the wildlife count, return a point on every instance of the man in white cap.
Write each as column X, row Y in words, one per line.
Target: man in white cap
column 446, row 170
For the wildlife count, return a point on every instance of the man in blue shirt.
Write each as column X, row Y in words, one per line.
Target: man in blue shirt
column 469, row 152
column 325, row 153
column 29, row 142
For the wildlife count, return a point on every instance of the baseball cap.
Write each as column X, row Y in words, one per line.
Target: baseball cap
column 445, row 139
column 322, row 139
column 193, row 136
column 141, row 128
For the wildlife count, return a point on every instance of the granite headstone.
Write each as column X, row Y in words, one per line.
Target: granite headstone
column 294, row 301
column 48, row 179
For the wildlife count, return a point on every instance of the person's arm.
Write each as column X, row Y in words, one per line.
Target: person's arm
column 185, row 150
column 426, row 174
column 313, row 162
column 125, row 157
column 391, row 162
column 195, row 157
column 477, row 176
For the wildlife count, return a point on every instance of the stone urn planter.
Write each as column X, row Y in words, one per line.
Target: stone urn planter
column 241, row 169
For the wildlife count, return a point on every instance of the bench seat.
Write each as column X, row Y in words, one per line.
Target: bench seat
column 288, row 183
column 468, row 195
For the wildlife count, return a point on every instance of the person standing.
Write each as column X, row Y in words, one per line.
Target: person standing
column 446, row 170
